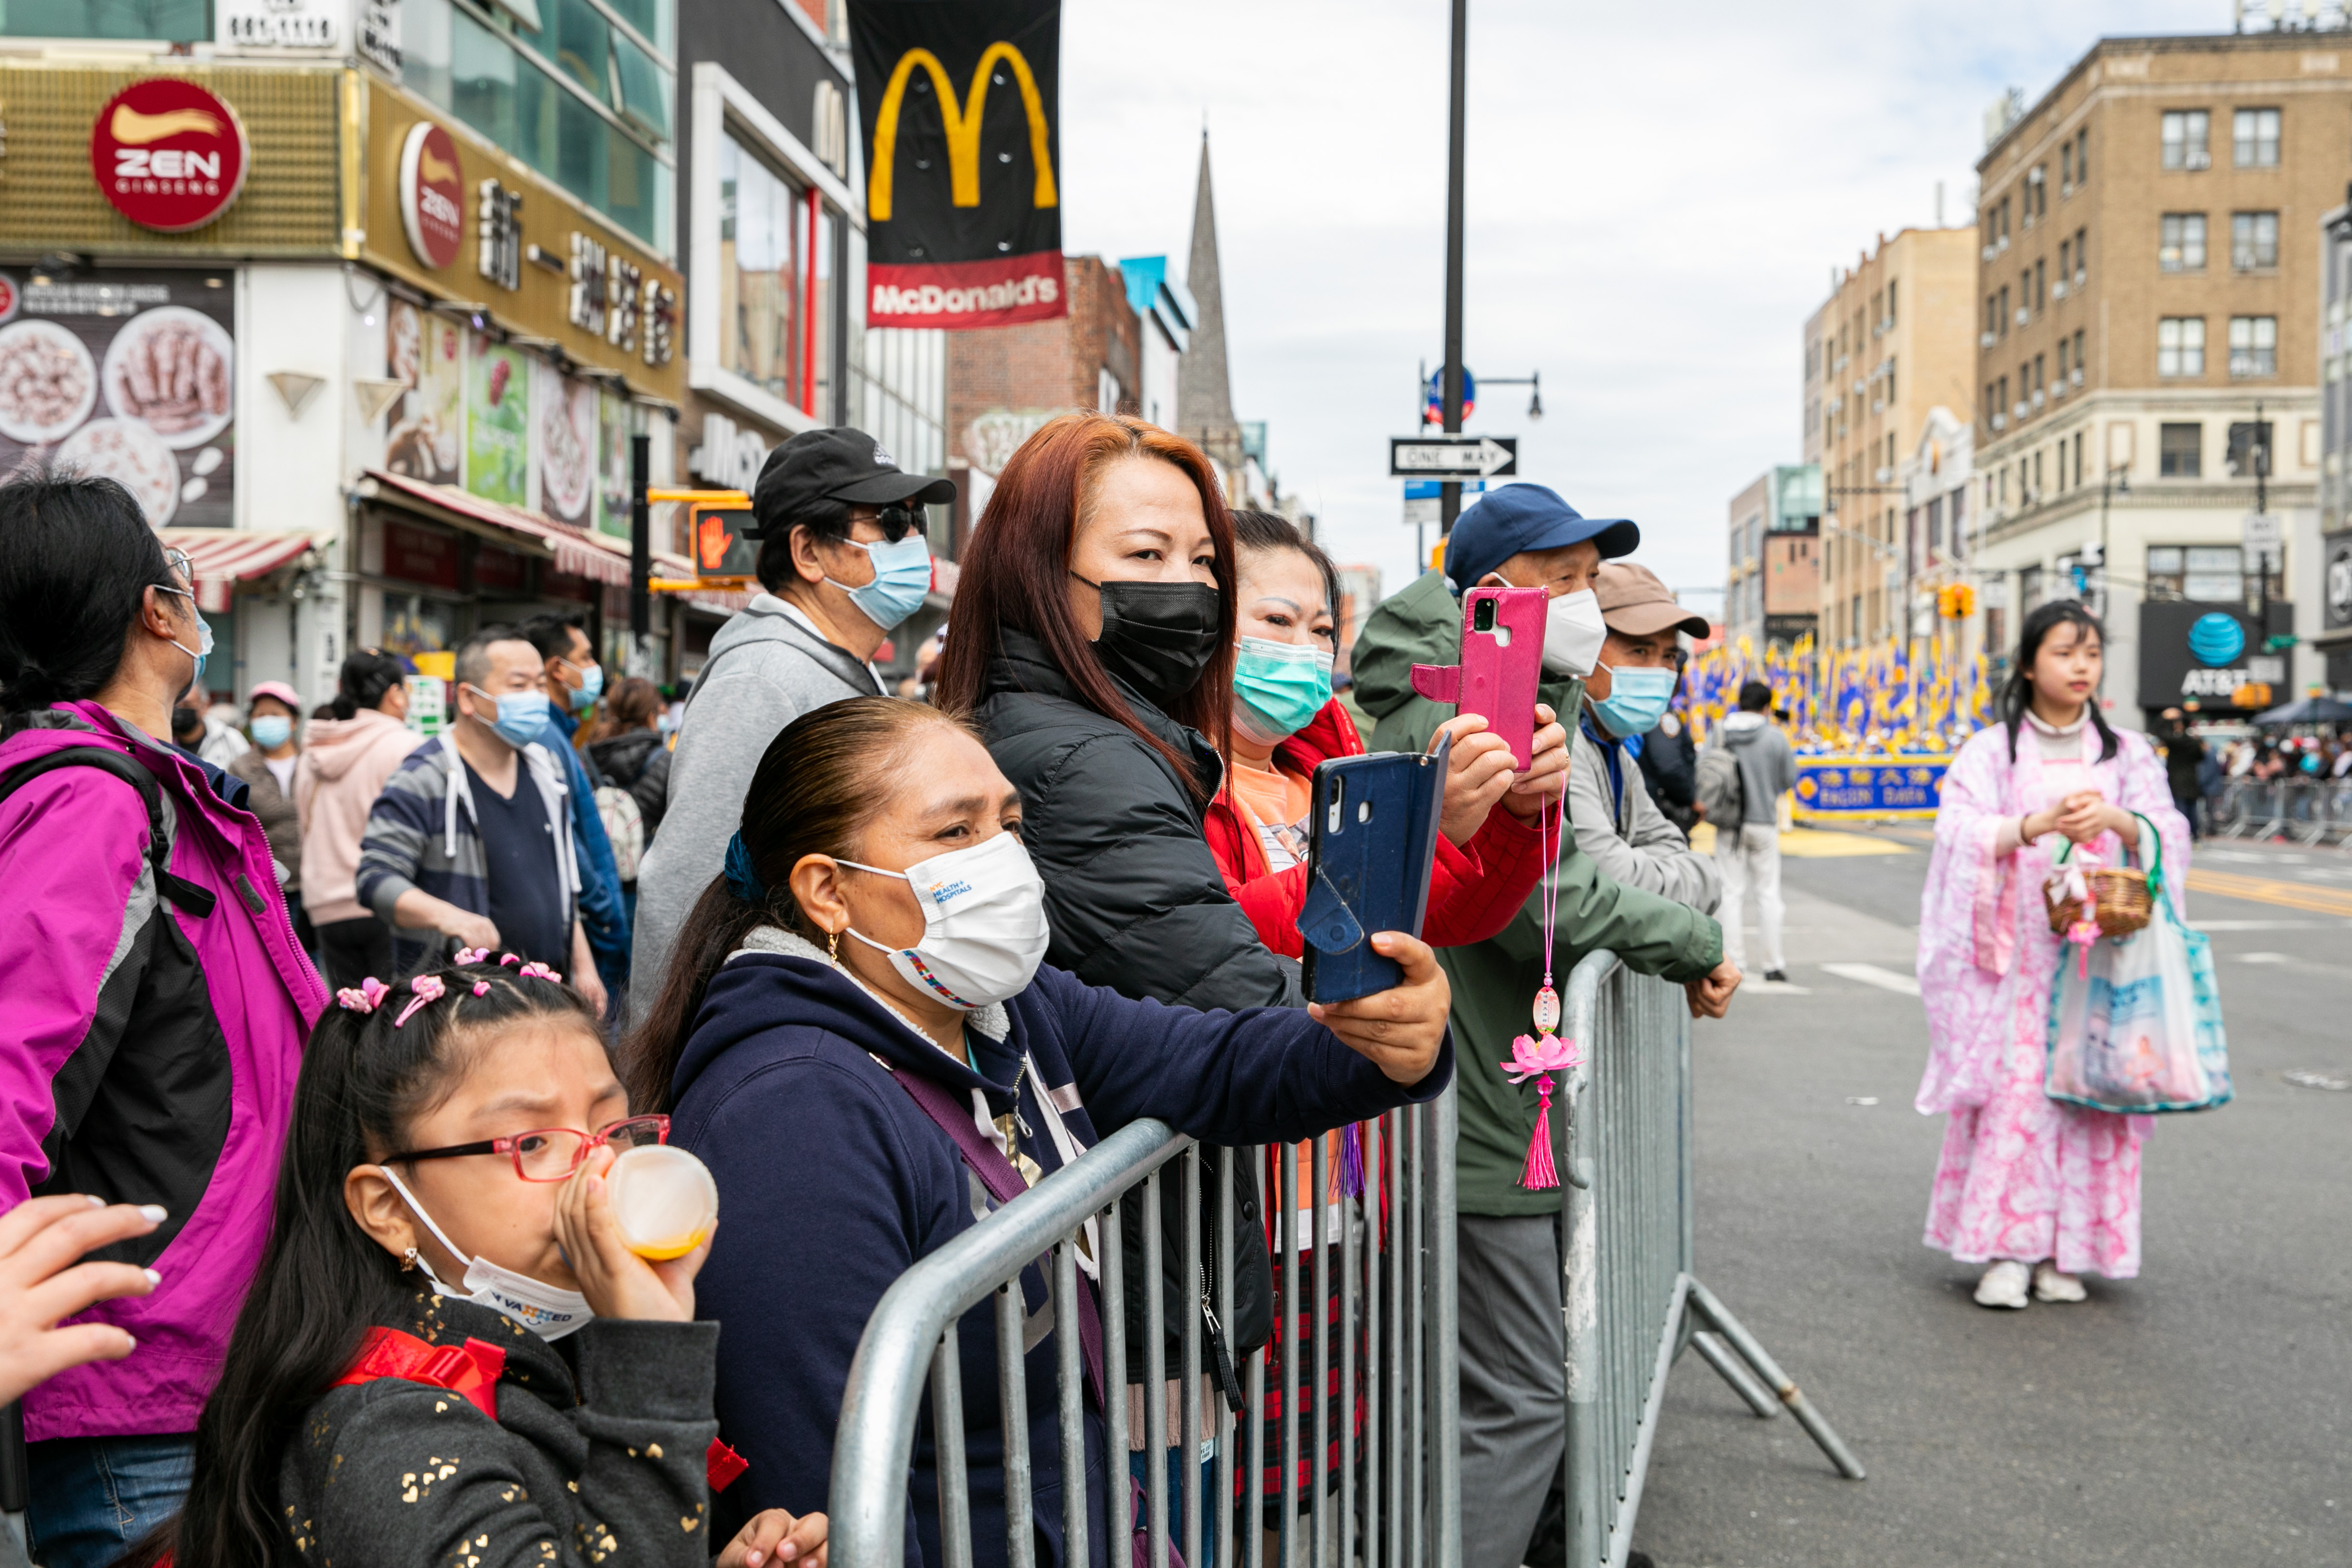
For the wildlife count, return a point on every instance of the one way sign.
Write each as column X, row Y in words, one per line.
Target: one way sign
column 1452, row 457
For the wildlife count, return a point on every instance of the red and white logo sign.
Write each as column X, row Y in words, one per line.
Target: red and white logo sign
column 432, row 195
column 168, row 154
column 9, row 297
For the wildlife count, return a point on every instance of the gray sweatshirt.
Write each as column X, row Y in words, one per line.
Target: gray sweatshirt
column 1767, row 768
column 1629, row 838
column 766, row 668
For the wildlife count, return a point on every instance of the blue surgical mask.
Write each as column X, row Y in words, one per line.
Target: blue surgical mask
column 203, row 648
column 1637, row 700
column 1278, row 688
column 271, row 731
column 592, row 686
column 902, row 575
column 522, row 715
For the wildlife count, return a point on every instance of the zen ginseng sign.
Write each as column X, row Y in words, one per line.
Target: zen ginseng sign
column 168, row 154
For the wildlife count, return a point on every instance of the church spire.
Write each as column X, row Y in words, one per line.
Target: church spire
column 1205, row 399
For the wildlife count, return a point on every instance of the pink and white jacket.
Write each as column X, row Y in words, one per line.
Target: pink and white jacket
column 1986, row 950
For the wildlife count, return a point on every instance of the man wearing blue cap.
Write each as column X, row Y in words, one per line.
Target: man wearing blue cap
column 1514, row 1397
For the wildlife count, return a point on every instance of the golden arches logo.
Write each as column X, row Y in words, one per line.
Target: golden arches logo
column 962, row 123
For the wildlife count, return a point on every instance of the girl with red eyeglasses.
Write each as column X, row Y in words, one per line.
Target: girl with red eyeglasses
column 447, row 1354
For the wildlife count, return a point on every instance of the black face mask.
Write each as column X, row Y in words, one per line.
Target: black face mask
column 1158, row 636
column 188, row 722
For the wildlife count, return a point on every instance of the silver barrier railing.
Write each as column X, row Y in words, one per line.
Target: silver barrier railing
column 2305, row 810
column 1633, row 1300
column 1391, row 1501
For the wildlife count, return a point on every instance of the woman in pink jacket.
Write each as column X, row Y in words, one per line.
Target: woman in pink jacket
column 341, row 772
column 151, row 1024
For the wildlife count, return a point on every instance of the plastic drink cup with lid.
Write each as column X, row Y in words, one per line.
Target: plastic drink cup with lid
column 663, row 1199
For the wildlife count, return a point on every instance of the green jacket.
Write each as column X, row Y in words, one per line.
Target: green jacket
column 1495, row 982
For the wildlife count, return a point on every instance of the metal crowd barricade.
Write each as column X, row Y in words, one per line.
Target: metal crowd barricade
column 1396, row 1499
column 2305, row 810
column 1632, row 1302
column 1391, row 1500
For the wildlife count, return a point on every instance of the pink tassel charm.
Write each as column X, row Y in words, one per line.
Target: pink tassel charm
column 1539, row 1174
column 1351, row 1161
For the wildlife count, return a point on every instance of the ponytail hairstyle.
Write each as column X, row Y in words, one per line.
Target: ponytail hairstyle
column 322, row 1282
column 367, row 674
column 2017, row 691
column 825, row 776
column 77, row 559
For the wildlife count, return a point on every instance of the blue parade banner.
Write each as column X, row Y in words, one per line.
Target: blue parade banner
column 1847, row 788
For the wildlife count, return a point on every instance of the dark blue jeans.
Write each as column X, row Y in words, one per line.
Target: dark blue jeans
column 92, row 1497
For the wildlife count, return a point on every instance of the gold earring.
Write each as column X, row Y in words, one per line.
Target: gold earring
column 832, row 947
column 409, row 1261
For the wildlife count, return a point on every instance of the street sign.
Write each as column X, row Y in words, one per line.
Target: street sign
column 1422, row 499
column 2264, row 529
column 1452, row 457
column 1436, row 410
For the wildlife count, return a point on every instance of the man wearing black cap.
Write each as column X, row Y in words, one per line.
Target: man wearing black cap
column 1514, row 1394
column 843, row 560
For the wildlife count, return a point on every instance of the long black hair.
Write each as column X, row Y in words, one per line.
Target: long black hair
column 367, row 674
column 76, row 558
column 323, row 1281
column 820, row 781
column 2017, row 691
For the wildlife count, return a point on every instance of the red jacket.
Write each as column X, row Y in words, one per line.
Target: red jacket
column 1474, row 891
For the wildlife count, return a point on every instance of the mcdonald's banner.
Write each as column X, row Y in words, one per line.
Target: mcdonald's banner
column 960, row 105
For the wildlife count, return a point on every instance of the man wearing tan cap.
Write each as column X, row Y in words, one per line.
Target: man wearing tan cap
column 1617, row 823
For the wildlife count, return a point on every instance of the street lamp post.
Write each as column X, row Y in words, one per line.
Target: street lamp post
column 1449, row 504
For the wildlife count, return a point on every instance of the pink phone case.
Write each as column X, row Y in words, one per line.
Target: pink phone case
column 1502, row 660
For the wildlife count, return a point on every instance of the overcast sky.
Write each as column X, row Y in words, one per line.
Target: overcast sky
column 1656, row 197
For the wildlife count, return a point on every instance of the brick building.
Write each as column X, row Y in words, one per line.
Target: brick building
column 1005, row 382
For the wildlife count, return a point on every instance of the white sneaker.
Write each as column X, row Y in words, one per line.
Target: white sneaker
column 2003, row 1285
column 2049, row 1285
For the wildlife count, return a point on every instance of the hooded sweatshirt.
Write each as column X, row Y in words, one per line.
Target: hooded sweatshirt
column 1496, row 980
column 833, row 1181
column 189, row 1108
column 342, row 770
column 1767, row 768
column 766, row 668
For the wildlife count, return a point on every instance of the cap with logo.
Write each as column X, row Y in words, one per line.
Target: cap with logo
column 837, row 464
column 1634, row 604
column 1521, row 518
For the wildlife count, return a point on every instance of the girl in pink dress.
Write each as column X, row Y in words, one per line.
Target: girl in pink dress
column 2040, row 1190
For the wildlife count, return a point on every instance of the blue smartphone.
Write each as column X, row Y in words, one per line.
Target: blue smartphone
column 1372, row 841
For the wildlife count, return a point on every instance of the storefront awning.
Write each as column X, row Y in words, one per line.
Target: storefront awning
column 577, row 551
column 223, row 557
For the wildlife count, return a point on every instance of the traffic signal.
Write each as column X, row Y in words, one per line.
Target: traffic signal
column 1956, row 601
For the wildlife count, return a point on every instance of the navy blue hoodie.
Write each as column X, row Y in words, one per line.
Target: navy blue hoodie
column 833, row 1181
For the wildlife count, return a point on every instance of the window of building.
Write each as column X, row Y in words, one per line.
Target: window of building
column 2250, row 447
column 160, row 21
column 2186, row 131
column 2254, row 345
column 2180, row 242
column 2082, row 256
column 2066, row 170
column 2029, row 588
column 1890, row 378
column 2003, row 316
column 2253, row 241
column 2065, row 345
column 1890, row 303
column 2211, row 572
column 2180, row 346
column 2180, row 451
column 2078, row 356
column 764, row 247
column 2254, row 138
column 2083, row 155
column 2042, row 284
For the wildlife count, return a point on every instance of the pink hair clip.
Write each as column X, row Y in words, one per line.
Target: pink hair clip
column 471, row 955
column 509, row 958
column 428, row 988
column 481, row 988
column 538, row 970
column 364, row 998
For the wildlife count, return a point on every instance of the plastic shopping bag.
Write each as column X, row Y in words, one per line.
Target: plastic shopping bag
column 2136, row 1021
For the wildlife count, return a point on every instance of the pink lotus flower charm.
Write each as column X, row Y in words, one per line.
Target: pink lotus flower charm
column 428, row 988
column 471, row 955
column 1532, row 1056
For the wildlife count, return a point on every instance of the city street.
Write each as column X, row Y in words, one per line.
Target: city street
column 2195, row 1415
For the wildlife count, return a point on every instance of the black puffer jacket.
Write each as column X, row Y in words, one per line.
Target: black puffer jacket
column 638, row 761
column 1137, row 904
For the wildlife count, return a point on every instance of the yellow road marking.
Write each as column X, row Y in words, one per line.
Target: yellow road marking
column 2266, row 891
column 1810, row 844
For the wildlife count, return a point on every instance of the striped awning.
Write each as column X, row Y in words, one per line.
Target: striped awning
column 223, row 557
column 577, row 551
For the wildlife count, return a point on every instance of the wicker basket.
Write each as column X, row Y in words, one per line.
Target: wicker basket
column 2119, row 901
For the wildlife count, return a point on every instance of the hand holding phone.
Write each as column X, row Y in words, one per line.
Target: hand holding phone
column 1374, row 834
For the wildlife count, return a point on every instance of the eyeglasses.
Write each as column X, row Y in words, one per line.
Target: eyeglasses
column 551, row 1154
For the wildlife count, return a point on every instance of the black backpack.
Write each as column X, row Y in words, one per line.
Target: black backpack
column 143, row 1102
